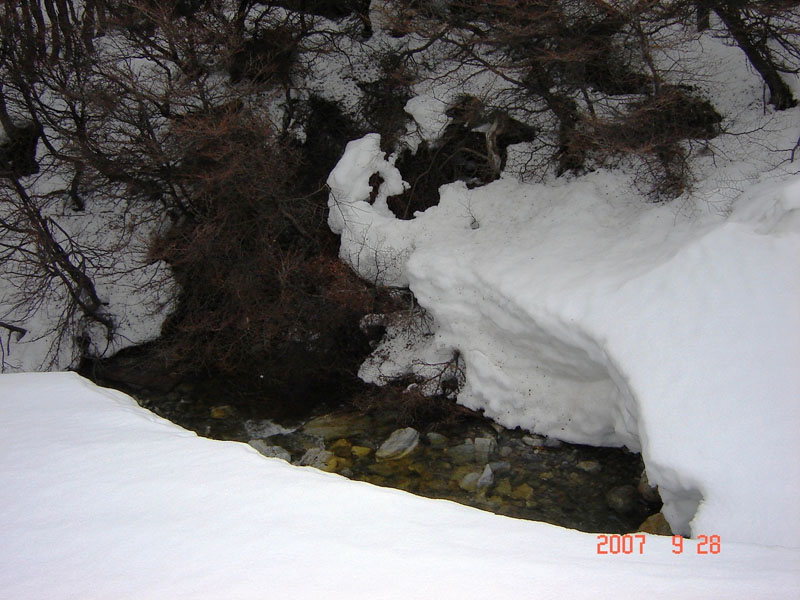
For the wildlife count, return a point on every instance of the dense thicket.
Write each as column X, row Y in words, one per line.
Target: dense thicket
column 196, row 118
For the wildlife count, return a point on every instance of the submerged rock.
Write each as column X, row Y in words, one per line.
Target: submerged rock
column 335, row 426
column 622, row 499
column 462, row 453
column 437, row 440
column 401, row 443
column 483, row 448
column 486, row 479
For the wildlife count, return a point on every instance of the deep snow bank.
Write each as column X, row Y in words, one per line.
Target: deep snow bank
column 585, row 314
column 102, row 499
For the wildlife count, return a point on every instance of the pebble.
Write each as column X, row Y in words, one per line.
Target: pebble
column 522, row 492
column 361, row 451
column 500, row 466
column 622, row 499
column 401, row 443
column 437, row 440
column 505, row 451
column 486, row 479
column 341, row 447
column 324, row 460
column 470, row 482
column 534, row 441
column 271, row 451
column 590, row 466
column 483, row 448
column 462, row 453
column 222, row 412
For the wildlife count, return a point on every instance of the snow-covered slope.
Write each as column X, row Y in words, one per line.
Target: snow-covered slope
column 101, row 499
column 582, row 312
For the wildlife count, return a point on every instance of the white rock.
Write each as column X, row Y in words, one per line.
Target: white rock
column 271, row 451
column 401, row 443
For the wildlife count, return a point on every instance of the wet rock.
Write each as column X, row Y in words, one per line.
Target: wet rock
column 546, row 475
column 401, row 443
column 361, row 451
column 503, row 487
column 335, row 426
column 647, row 491
column 483, row 448
column 534, row 441
column 225, row 411
column 437, row 440
column 590, row 466
column 553, row 443
column 470, row 482
column 500, row 467
column 656, row 524
column 622, row 499
column 486, row 479
column 341, row 448
column 264, row 428
column 505, row 451
column 324, row 460
column 271, row 451
column 522, row 492
column 463, row 453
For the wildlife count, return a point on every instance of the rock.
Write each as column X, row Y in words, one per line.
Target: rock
column 647, row 491
column 470, row 482
column 656, row 524
column 590, row 466
column 553, row 443
column 622, row 499
column 503, row 487
column 346, row 472
column 401, row 443
column 264, row 428
column 341, row 447
column 546, row 475
column 324, row 460
column 225, row 411
column 437, row 440
column 500, row 466
column 505, row 451
column 486, row 479
column 462, row 453
column 271, row 451
column 522, row 492
column 483, row 447
column 361, row 451
column 335, row 426
column 534, row 441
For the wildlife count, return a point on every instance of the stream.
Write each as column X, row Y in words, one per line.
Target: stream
column 472, row 460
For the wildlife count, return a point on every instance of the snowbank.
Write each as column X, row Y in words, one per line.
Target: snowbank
column 102, row 499
column 582, row 312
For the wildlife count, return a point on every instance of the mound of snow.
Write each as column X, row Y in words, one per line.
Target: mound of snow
column 101, row 499
column 583, row 313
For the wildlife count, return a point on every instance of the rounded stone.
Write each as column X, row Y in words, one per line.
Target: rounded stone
column 462, row 453
column 590, row 466
column 437, row 440
column 656, row 524
column 622, row 499
column 401, row 443
column 470, row 482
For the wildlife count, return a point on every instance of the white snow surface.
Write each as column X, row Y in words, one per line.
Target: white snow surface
column 584, row 313
column 102, row 499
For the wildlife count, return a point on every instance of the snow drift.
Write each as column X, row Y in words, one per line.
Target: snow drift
column 583, row 313
column 102, row 499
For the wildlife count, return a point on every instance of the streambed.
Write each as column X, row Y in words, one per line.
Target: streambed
column 472, row 461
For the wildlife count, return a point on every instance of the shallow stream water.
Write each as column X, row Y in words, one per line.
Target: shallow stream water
column 471, row 461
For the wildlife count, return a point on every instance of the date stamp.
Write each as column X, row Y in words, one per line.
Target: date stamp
column 633, row 543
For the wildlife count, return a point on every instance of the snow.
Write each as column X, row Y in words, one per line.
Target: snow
column 583, row 313
column 102, row 499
